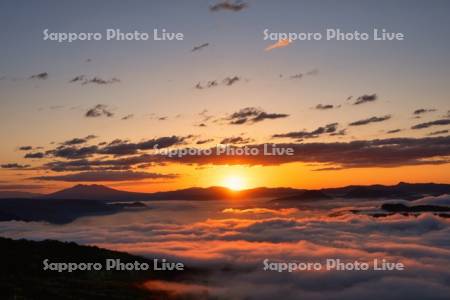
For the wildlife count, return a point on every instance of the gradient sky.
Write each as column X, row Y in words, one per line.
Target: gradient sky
column 157, row 80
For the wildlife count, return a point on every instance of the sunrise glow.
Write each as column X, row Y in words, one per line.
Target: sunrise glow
column 234, row 183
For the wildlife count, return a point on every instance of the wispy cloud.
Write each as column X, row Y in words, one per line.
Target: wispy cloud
column 35, row 155
column 393, row 131
column 25, row 148
column 14, row 166
column 231, row 80
column 235, row 140
column 370, row 120
column 279, row 44
column 422, row 111
column 227, row 81
column 92, row 176
column 365, row 99
column 83, row 79
column 327, row 129
column 228, row 6
column 301, row 75
column 441, row 122
column 251, row 115
column 324, row 106
column 98, row 111
column 199, row 47
column 127, row 117
column 201, row 142
column 78, row 141
column 439, row 132
column 41, row 76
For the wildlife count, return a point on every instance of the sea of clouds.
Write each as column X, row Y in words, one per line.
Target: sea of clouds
column 230, row 240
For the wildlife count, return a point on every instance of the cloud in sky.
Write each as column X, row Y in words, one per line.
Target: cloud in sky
column 14, row 166
column 209, row 84
column 324, row 106
column 199, row 47
column 83, row 79
column 279, row 44
column 84, row 164
column 391, row 152
column 73, row 152
column 312, row 72
column 365, row 99
column 438, row 132
column 296, row 76
column 205, row 141
column 98, row 111
column 227, row 5
column 441, row 122
column 227, row 81
column 250, row 115
column 127, row 117
column 327, row 129
column 370, row 120
column 235, row 140
column 41, row 76
column 71, row 149
column 231, row 80
column 126, row 148
column 393, row 131
column 25, row 148
column 78, row 141
column 35, row 155
column 92, row 176
column 423, row 111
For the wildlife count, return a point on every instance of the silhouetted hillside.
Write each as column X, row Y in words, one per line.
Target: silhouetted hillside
column 100, row 192
column 53, row 211
column 400, row 191
column 22, row 275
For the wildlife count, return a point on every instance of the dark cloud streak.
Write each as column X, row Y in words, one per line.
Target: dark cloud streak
column 370, row 120
column 228, row 6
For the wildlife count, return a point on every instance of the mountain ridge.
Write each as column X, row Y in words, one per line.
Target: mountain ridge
column 98, row 192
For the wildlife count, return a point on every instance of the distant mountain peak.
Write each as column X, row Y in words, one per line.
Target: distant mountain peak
column 94, row 192
column 90, row 186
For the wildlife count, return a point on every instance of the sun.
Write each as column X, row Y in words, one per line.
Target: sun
column 235, row 183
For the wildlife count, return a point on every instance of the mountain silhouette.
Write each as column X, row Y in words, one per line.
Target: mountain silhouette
column 407, row 191
column 97, row 192
column 104, row 193
column 87, row 200
column 23, row 276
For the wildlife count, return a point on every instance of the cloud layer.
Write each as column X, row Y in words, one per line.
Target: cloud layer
column 228, row 244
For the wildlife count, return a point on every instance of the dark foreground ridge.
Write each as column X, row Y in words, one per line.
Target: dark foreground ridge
column 23, row 277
